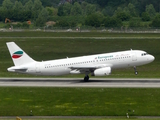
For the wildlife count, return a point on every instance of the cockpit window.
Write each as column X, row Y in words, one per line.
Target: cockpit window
column 143, row 54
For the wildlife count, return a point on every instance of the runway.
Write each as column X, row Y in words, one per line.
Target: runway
column 78, row 82
column 105, row 38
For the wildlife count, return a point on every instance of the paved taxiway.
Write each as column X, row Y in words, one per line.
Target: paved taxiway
column 78, row 82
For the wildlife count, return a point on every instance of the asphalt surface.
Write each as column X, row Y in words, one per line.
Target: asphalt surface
column 83, row 37
column 78, row 82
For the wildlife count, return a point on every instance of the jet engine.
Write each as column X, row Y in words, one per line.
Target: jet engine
column 102, row 71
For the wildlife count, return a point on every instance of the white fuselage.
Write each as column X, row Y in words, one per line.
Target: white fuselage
column 84, row 64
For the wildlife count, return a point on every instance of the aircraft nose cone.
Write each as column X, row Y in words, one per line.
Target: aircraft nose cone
column 152, row 58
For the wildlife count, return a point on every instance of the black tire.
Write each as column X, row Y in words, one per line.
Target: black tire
column 86, row 78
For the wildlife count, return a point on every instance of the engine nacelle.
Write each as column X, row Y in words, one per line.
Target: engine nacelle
column 102, row 71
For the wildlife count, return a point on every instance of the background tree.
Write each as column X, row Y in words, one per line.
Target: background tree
column 102, row 3
column 90, row 8
column 50, row 3
column 25, row 25
column 51, row 11
column 67, row 8
column 17, row 6
column 145, row 16
column 150, row 10
column 95, row 20
column 83, row 7
column 42, row 18
column 66, row 23
column 112, row 22
column 2, row 15
column 108, row 11
column 28, row 5
column 7, row 5
column 62, row 23
column 76, row 9
column 156, row 21
column 36, row 9
column 60, row 10
column 27, row 10
column 135, row 22
column 124, row 16
column 132, row 10
column 121, row 10
column 18, row 11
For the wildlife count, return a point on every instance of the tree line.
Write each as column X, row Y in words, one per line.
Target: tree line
column 95, row 13
column 31, row 10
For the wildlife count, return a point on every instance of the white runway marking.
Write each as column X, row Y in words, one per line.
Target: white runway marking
column 78, row 82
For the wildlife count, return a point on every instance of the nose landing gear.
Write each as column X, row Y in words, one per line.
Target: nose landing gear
column 136, row 72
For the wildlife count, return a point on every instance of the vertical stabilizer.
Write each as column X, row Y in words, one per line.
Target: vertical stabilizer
column 18, row 56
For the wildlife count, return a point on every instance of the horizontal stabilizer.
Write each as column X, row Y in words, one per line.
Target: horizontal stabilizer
column 16, row 69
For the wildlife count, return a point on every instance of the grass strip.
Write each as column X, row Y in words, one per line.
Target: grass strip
column 20, row 101
column 75, row 34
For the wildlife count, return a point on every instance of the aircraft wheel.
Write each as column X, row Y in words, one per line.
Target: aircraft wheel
column 86, row 78
column 136, row 73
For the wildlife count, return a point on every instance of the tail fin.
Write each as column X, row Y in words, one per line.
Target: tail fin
column 19, row 57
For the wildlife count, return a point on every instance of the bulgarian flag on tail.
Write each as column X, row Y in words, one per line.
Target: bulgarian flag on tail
column 17, row 54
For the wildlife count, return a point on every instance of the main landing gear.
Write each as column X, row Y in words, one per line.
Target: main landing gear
column 86, row 78
column 136, row 73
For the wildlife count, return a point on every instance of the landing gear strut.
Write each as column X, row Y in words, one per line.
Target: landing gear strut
column 86, row 78
column 136, row 73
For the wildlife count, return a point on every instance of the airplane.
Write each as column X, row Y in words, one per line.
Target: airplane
column 96, row 65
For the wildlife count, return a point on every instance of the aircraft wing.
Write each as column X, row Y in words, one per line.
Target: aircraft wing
column 84, row 69
column 91, row 67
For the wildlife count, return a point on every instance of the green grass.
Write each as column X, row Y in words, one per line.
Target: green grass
column 75, row 34
column 2, row 25
column 56, row 48
column 19, row 101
